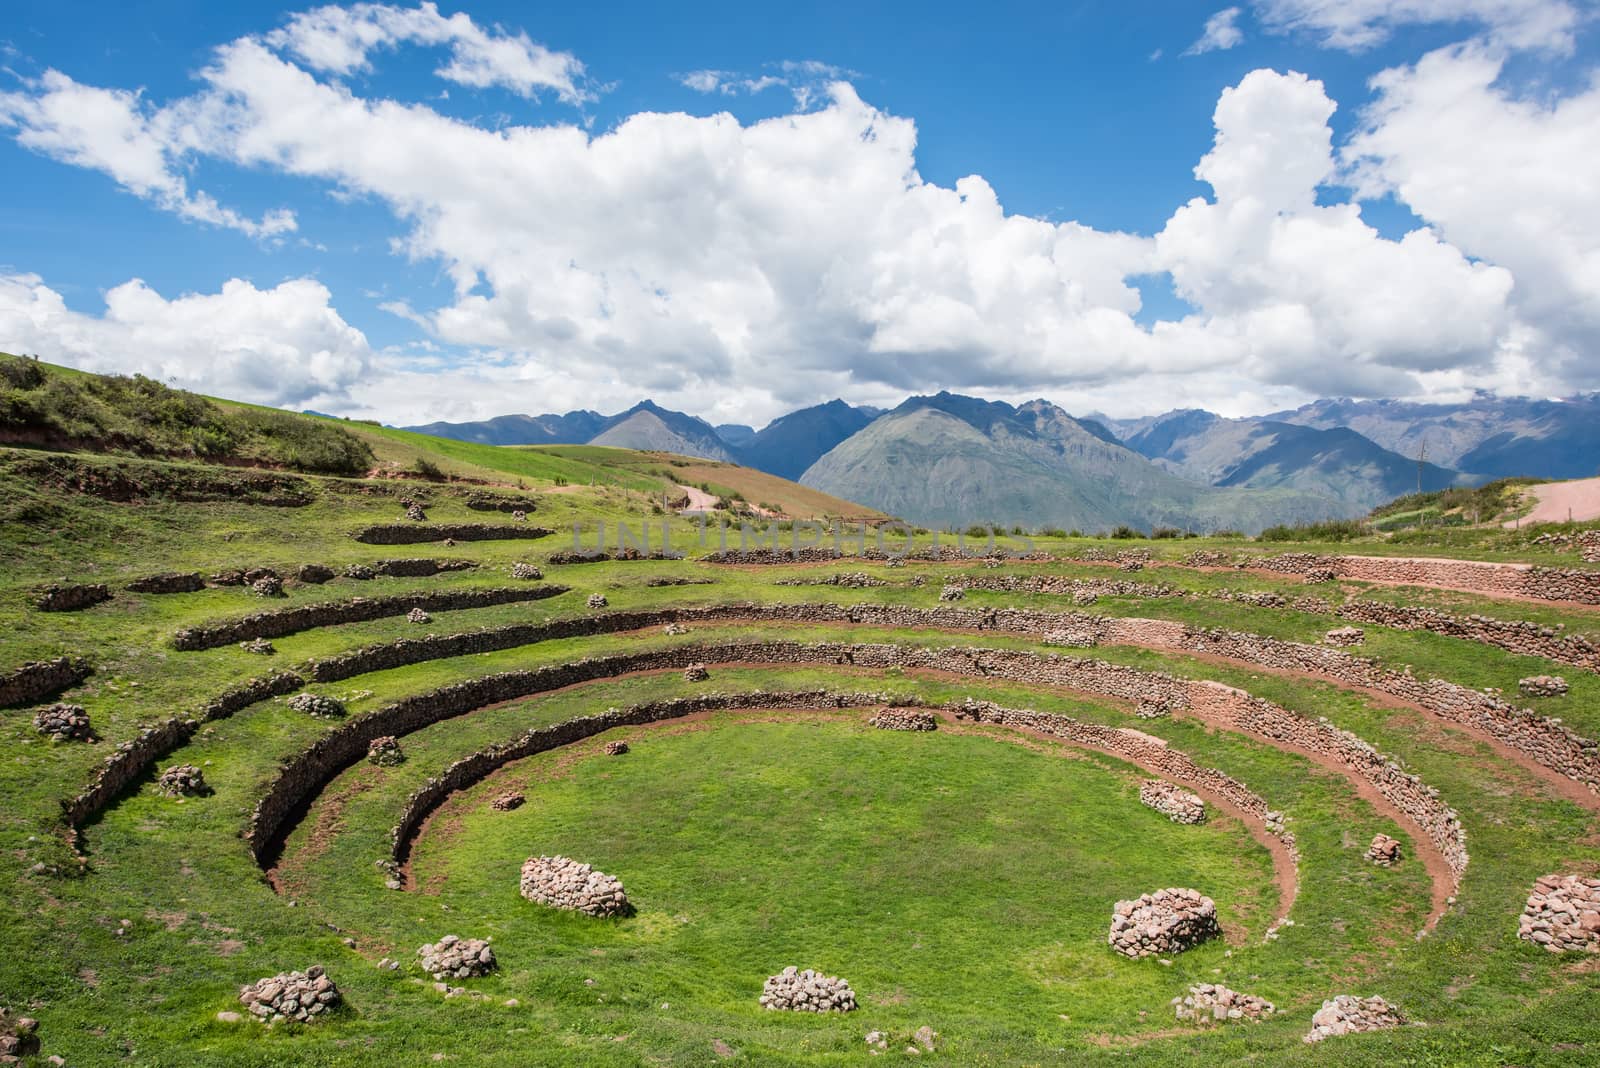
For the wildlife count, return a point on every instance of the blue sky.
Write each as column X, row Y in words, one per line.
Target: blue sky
column 705, row 269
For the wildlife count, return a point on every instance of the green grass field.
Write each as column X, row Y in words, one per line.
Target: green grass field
column 961, row 880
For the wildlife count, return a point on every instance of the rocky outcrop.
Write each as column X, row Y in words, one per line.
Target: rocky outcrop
column 168, row 582
column 1563, row 914
column 284, row 621
column 1162, row 923
column 794, row 990
column 69, row 597
column 1384, row 851
column 904, row 719
column 1172, row 801
column 64, row 723
column 299, row 996
column 39, row 680
column 1213, row 1003
column 457, row 958
column 408, row 534
column 564, row 883
column 1347, row 1014
column 19, row 1037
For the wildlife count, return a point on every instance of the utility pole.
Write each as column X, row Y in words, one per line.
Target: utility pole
column 1422, row 459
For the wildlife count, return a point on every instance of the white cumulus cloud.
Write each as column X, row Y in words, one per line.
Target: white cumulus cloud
column 1359, row 24
column 280, row 346
column 1221, row 33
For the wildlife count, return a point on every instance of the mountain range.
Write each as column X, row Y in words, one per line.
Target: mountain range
column 952, row 460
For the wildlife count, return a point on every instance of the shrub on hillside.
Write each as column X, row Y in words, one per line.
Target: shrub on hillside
column 1327, row 530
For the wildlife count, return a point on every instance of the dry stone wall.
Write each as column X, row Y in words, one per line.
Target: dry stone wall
column 40, row 680
column 280, row 622
column 68, row 597
column 411, row 534
column 1471, row 576
column 169, row 582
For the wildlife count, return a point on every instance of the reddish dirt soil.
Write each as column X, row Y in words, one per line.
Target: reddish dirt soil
column 1559, row 502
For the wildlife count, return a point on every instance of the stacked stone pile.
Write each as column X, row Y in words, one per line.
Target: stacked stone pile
column 299, row 996
column 1542, row 686
column 1563, row 914
column 807, row 991
column 1152, row 710
column 1162, row 923
column 519, row 516
column 696, row 673
column 1384, row 851
column 507, row 802
column 64, row 723
column 259, row 646
column 414, row 511
column 418, row 615
column 1347, row 1014
column 1172, row 801
column 521, row 570
column 952, row 593
column 182, row 780
column 315, row 704
column 564, row 883
column 385, row 752
column 1318, row 575
column 597, row 600
column 18, row 1037
column 1209, row 1003
column 904, row 719
column 314, row 574
column 1345, row 636
column 615, row 748
column 359, row 572
column 1130, row 565
column 457, row 958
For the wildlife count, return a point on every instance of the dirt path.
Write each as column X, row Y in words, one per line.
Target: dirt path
column 1558, row 502
column 699, row 501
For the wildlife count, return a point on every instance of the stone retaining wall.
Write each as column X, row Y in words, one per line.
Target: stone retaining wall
column 282, row 621
column 134, row 757
column 1546, row 740
column 67, row 597
column 40, row 680
column 170, row 582
column 419, row 567
column 413, row 533
column 1470, row 576
column 1515, row 636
